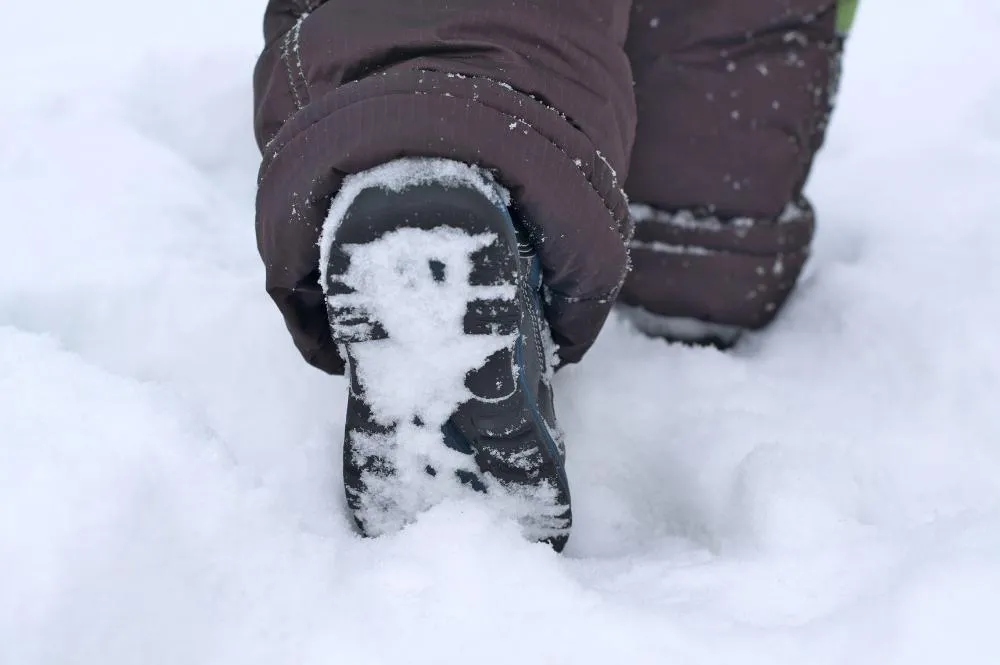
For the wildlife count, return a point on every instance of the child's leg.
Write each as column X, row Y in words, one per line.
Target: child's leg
column 537, row 91
column 733, row 102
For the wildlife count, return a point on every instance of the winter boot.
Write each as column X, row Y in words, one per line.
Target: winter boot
column 435, row 304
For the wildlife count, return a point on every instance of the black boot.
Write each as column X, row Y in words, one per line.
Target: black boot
column 435, row 304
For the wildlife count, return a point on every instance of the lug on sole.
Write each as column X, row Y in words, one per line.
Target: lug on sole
column 517, row 461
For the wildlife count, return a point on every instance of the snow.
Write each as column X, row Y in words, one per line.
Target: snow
column 828, row 492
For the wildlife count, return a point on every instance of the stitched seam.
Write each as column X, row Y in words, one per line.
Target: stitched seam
column 297, row 50
column 288, row 69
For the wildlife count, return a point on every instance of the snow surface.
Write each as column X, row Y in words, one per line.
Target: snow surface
column 829, row 492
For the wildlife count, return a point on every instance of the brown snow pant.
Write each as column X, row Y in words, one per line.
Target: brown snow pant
column 708, row 113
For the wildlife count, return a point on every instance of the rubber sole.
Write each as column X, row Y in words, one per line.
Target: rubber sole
column 502, row 425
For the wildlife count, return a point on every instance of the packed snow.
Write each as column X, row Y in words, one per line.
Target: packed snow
column 826, row 493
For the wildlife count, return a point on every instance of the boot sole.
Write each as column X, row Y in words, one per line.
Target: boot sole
column 507, row 435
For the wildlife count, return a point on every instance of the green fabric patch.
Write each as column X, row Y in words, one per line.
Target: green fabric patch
column 846, row 10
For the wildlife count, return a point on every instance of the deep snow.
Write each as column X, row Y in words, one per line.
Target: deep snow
column 829, row 492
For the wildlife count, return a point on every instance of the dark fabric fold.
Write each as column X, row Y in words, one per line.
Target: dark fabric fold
column 538, row 92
